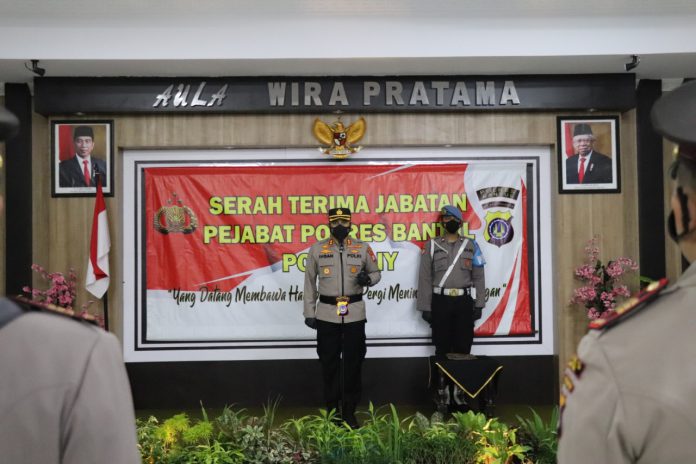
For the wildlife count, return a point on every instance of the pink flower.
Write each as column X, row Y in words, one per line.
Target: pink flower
column 621, row 290
column 62, row 291
column 602, row 283
column 592, row 313
column 584, row 272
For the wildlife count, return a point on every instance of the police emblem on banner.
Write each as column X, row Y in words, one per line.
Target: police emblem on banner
column 175, row 218
column 498, row 230
column 340, row 139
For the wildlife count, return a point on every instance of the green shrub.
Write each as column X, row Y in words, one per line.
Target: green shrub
column 540, row 436
column 237, row 438
column 435, row 442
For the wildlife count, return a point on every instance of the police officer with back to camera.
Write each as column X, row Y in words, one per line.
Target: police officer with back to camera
column 337, row 269
column 629, row 396
column 64, row 393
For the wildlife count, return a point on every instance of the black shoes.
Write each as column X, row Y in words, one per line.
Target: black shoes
column 346, row 415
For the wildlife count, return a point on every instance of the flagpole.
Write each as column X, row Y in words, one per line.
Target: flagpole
column 105, row 310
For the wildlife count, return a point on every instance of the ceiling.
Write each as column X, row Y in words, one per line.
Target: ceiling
column 350, row 37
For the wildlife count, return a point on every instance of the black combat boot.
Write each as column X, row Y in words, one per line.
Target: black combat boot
column 348, row 415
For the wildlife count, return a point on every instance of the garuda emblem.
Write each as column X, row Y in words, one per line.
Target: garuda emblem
column 338, row 137
column 175, row 218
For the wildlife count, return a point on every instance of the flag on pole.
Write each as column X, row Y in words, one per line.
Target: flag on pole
column 97, row 281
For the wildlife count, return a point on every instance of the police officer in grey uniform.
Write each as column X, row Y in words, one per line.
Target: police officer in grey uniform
column 451, row 265
column 64, row 393
column 630, row 394
column 337, row 269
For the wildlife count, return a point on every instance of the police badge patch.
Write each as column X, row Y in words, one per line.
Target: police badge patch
column 499, row 229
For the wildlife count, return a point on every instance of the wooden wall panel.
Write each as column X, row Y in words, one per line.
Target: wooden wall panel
column 42, row 202
column 576, row 218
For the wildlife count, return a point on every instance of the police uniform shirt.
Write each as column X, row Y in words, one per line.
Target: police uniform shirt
column 632, row 396
column 327, row 264
column 464, row 274
column 64, row 393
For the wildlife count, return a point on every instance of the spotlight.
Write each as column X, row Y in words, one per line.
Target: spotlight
column 35, row 68
column 635, row 61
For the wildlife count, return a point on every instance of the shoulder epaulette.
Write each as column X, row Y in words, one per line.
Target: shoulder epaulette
column 54, row 309
column 631, row 306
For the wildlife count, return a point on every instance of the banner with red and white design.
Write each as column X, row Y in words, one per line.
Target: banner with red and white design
column 222, row 246
column 97, row 279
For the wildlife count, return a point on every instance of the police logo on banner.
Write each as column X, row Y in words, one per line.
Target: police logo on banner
column 499, row 230
column 176, row 217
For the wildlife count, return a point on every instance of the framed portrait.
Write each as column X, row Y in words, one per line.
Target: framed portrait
column 82, row 151
column 588, row 154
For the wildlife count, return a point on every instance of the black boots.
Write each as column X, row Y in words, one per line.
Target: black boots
column 346, row 415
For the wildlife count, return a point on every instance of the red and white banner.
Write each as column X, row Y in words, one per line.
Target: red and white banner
column 97, row 280
column 221, row 247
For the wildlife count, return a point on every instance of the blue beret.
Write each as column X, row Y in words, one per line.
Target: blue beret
column 453, row 211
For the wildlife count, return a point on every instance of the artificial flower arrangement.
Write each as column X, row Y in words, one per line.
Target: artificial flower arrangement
column 62, row 293
column 603, row 282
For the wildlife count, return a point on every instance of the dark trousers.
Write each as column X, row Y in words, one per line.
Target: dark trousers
column 452, row 324
column 329, row 338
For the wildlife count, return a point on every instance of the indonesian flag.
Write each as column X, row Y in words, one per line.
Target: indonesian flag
column 97, row 281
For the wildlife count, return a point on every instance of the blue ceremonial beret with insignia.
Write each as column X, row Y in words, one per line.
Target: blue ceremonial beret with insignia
column 453, row 211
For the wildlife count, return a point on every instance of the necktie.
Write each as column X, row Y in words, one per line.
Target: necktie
column 86, row 173
column 581, row 171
